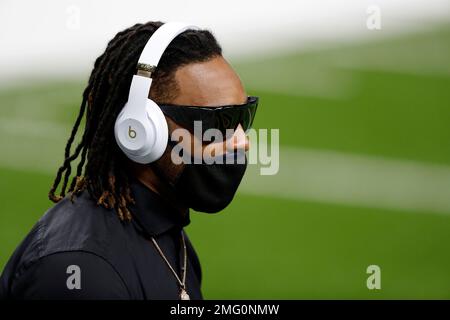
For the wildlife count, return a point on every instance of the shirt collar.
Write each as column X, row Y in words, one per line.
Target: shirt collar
column 153, row 213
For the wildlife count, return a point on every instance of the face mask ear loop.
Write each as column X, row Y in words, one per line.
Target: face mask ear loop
column 168, row 192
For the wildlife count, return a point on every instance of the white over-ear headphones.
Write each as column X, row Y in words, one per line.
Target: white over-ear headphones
column 141, row 128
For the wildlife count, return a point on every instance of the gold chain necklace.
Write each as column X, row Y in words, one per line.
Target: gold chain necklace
column 183, row 294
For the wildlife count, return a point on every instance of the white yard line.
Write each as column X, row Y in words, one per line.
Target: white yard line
column 352, row 179
column 32, row 145
column 304, row 174
column 27, row 128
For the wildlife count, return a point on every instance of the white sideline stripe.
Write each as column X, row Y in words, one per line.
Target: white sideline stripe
column 33, row 128
column 351, row 179
column 32, row 145
column 304, row 174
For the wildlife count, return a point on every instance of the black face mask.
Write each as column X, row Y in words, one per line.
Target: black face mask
column 209, row 187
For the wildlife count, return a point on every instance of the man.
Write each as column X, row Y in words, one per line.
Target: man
column 116, row 231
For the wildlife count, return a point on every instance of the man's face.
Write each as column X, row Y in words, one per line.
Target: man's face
column 210, row 83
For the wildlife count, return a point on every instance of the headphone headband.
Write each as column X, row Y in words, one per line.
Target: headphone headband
column 148, row 61
column 158, row 43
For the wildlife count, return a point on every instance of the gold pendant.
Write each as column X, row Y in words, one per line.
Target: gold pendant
column 184, row 295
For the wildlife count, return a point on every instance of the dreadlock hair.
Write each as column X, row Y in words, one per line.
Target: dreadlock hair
column 102, row 167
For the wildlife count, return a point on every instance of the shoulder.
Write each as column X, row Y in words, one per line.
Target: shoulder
column 79, row 226
column 70, row 275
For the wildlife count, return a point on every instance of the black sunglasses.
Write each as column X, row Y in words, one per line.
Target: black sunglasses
column 220, row 117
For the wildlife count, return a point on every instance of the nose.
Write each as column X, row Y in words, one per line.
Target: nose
column 240, row 140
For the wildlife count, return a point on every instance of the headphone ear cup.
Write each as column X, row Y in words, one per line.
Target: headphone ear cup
column 160, row 131
column 143, row 140
column 131, row 133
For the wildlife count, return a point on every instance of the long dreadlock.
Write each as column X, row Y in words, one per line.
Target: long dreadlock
column 105, row 176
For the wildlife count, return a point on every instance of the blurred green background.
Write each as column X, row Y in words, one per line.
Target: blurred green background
column 368, row 124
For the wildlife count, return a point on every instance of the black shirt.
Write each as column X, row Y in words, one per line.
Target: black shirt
column 81, row 250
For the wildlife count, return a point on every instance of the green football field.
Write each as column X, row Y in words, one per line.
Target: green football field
column 365, row 157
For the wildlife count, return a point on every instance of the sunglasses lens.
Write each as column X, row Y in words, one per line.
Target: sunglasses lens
column 226, row 121
column 222, row 118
